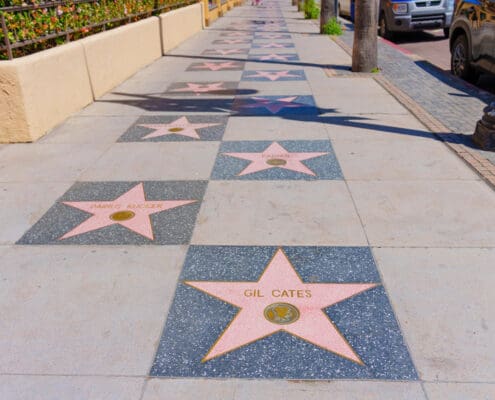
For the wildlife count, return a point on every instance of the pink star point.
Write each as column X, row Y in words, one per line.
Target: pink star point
column 275, row 156
column 274, row 57
column 131, row 210
column 280, row 284
column 180, row 126
column 212, row 66
column 199, row 88
column 274, row 106
column 273, row 75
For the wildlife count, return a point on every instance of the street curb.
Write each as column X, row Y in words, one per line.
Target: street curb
column 483, row 167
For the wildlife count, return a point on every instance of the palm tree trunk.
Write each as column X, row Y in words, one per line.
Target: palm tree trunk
column 364, row 51
column 327, row 12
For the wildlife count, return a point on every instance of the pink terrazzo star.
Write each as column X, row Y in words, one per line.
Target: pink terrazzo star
column 233, row 41
column 271, row 35
column 272, row 75
column 275, row 156
column 281, row 301
column 274, row 57
column 212, row 66
column 272, row 46
column 130, row 210
column 180, row 126
column 225, row 52
column 199, row 88
column 274, row 106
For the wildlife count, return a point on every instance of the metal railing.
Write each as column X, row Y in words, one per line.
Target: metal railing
column 56, row 11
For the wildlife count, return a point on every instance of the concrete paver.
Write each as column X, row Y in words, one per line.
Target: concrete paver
column 302, row 238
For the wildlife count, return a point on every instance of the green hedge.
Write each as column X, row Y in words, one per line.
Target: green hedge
column 75, row 16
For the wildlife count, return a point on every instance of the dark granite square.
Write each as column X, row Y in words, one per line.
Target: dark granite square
column 177, row 128
column 197, row 89
column 197, row 320
column 273, row 75
column 315, row 167
column 172, row 226
column 274, row 57
column 271, row 35
column 209, row 66
column 280, row 45
column 232, row 41
column 226, row 53
column 275, row 105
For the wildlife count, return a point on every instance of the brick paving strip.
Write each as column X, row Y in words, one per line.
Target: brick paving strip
column 395, row 66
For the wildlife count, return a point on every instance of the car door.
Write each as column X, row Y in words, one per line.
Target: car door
column 487, row 29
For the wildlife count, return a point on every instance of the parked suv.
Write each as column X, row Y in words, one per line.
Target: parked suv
column 413, row 15
column 407, row 15
column 472, row 38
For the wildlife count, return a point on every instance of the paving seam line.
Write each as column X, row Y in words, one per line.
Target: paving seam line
column 483, row 167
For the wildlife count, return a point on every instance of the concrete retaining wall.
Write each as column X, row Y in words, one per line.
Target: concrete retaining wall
column 179, row 25
column 39, row 91
column 115, row 55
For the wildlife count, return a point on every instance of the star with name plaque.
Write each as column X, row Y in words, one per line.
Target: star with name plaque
column 292, row 312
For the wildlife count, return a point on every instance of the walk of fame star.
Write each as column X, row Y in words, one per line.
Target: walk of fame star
column 273, row 45
column 272, row 75
column 272, row 105
column 281, row 301
column 279, row 57
column 272, row 35
column 131, row 210
column 275, row 156
column 231, row 41
column 199, row 88
column 217, row 66
column 180, row 126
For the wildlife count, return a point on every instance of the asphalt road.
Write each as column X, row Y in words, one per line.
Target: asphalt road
column 432, row 46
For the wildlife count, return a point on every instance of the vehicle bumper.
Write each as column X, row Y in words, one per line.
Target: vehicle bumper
column 408, row 23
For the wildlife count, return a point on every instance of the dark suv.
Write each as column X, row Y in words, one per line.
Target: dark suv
column 472, row 38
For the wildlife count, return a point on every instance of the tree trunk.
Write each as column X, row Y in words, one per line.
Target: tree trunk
column 364, row 51
column 327, row 12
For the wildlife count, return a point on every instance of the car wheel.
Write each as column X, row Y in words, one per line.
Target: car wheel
column 383, row 30
column 460, row 59
column 446, row 32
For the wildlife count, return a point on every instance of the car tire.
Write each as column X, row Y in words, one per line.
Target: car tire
column 460, row 60
column 383, row 30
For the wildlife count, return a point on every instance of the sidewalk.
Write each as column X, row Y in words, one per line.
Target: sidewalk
column 456, row 104
column 245, row 219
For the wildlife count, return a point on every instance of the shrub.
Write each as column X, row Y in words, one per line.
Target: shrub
column 311, row 11
column 44, row 24
column 332, row 27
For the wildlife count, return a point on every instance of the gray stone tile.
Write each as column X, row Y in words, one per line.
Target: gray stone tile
column 28, row 387
column 84, row 311
column 269, row 105
column 23, row 204
column 281, row 88
column 349, row 103
column 275, row 128
column 89, row 130
column 154, row 161
column 184, row 389
column 274, row 75
column 403, row 160
column 334, row 390
column 444, row 302
column 88, row 214
column 33, row 162
column 267, row 213
column 426, row 213
column 460, row 391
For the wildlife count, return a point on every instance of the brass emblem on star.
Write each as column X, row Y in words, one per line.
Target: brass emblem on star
column 281, row 313
column 176, row 129
column 276, row 161
column 122, row 215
